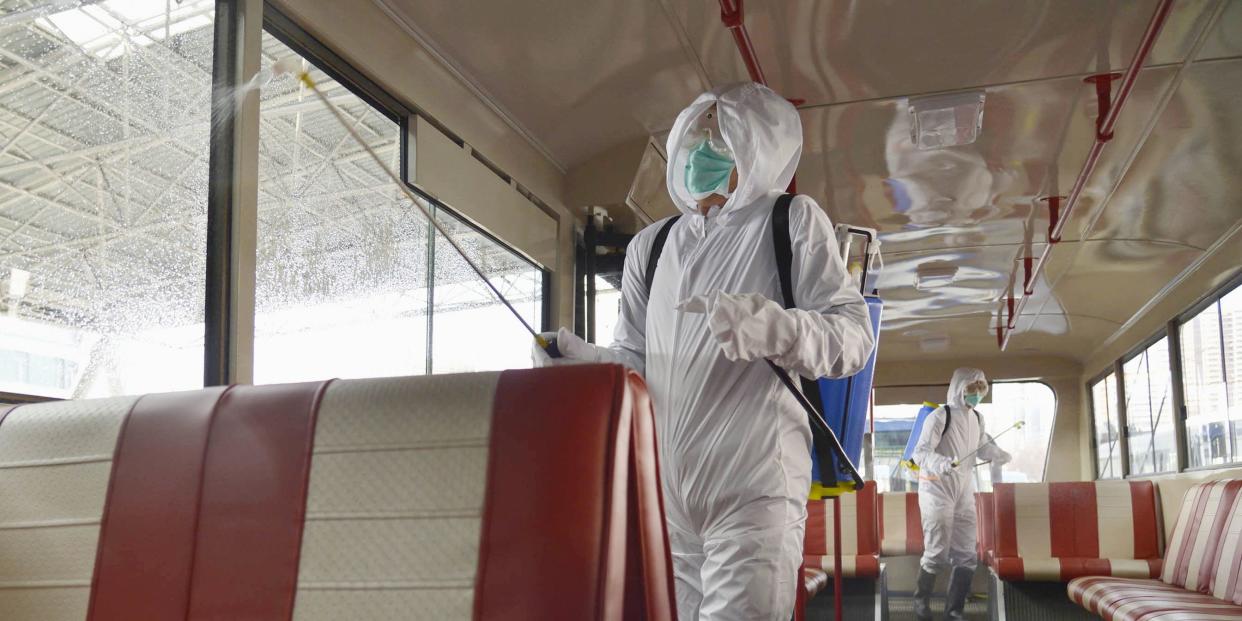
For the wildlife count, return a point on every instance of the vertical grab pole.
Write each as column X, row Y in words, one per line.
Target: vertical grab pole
column 836, row 558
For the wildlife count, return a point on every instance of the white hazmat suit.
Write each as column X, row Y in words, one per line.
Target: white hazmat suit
column 734, row 444
column 947, row 493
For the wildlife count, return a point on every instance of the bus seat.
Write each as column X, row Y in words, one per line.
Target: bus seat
column 860, row 545
column 1202, row 574
column 460, row 496
column 985, row 524
column 1055, row 532
column 901, row 527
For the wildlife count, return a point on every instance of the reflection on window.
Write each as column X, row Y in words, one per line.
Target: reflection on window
column 1211, row 353
column 471, row 329
column 1031, row 402
column 1149, row 410
column 341, row 272
column 1107, row 445
column 104, row 128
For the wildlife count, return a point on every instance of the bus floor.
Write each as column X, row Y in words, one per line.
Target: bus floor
column 900, row 607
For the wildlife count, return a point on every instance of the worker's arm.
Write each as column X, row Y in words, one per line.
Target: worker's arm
column 629, row 345
column 834, row 337
column 925, row 454
column 988, row 450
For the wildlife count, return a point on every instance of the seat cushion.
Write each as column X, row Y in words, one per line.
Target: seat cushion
column 852, row 566
column 1203, row 550
column 1127, row 599
column 815, row 580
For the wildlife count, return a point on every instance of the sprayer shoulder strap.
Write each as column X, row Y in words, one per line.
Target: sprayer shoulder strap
column 782, row 244
column 948, row 417
column 657, row 247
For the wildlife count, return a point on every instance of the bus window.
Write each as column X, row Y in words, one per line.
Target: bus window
column 1211, row 354
column 1031, row 402
column 1107, row 445
column 1149, row 407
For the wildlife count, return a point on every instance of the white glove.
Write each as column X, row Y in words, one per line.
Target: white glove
column 573, row 350
column 748, row 326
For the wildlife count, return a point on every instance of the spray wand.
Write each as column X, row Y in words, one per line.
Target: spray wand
column 991, row 440
column 545, row 344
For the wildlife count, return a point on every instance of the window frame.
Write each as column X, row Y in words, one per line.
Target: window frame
column 1122, row 463
column 1137, row 351
column 224, row 223
column 1211, row 299
column 1173, row 330
column 290, row 33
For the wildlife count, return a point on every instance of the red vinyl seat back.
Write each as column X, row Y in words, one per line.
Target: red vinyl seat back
column 1059, row 531
column 513, row 495
column 860, row 543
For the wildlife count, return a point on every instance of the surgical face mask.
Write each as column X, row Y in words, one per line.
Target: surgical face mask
column 708, row 171
column 973, row 399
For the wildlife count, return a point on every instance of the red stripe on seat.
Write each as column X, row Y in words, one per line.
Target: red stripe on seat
column 867, row 566
column 655, row 571
column 147, row 539
column 1006, row 522
column 554, row 518
column 815, row 540
column 1143, row 507
column 865, row 507
column 1086, row 521
column 1233, row 591
column 1216, row 535
column 1009, row 568
column 1182, row 562
column 253, row 503
column 1062, row 498
column 914, row 525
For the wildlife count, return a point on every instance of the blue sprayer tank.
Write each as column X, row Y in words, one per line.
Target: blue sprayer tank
column 847, row 403
column 907, row 456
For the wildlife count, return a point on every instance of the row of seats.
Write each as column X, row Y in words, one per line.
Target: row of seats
column 459, row 497
column 1201, row 576
column 1025, row 532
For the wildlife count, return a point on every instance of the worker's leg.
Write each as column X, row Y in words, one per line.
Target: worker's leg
column 750, row 569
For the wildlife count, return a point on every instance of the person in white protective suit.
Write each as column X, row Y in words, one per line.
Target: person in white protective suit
column 734, row 444
column 953, row 437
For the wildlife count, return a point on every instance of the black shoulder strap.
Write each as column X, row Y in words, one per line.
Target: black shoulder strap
column 948, row 417
column 657, row 247
column 784, row 247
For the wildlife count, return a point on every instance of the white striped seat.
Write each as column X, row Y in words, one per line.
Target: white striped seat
column 1202, row 574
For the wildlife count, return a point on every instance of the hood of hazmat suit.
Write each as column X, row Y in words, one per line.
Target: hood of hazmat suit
column 947, row 493
column 734, row 445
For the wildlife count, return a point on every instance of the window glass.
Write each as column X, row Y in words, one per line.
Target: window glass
column 1149, row 410
column 1105, row 419
column 471, row 329
column 104, row 127
column 341, row 274
column 607, row 311
column 1033, row 403
column 1211, row 353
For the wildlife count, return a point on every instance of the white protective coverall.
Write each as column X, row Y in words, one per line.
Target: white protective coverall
column 734, row 444
column 947, row 494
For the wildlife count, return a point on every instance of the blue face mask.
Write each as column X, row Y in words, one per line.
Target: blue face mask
column 973, row 400
column 708, row 172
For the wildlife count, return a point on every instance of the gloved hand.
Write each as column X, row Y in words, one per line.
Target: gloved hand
column 574, row 350
column 747, row 326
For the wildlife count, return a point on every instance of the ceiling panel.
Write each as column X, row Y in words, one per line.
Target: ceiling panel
column 1225, row 39
column 581, row 76
column 1183, row 187
column 860, row 163
column 833, row 51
